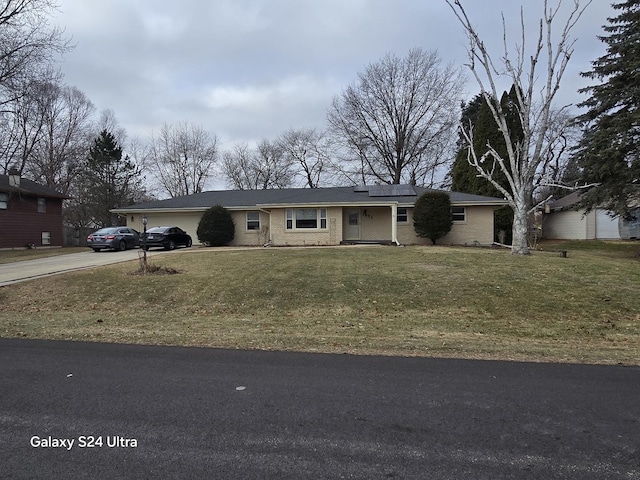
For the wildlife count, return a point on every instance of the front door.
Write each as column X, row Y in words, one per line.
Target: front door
column 352, row 231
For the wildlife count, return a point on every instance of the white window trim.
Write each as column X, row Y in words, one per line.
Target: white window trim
column 464, row 212
column 247, row 220
column 290, row 215
column 46, row 238
column 406, row 214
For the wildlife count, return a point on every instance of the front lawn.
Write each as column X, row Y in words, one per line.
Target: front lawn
column 421, row 301
column 8, row 256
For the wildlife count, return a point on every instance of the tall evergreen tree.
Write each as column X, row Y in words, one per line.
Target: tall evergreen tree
column 465, row 178
column 108, row 180
column 608, row 151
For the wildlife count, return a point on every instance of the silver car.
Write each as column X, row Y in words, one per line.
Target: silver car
column 114, row 238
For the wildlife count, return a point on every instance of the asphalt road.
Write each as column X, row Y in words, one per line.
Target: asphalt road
column 172, row 413
column 41, row 267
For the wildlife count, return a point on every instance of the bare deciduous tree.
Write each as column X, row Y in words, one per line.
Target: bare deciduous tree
column 310, row 150
column 275, row 170
column 109, row 122
column 28, row 45
column 21, row 125
column 237, row 167
column 261, row 168
column 65, row 113
column 542, row 124
column 398, row 121
column 182, row 158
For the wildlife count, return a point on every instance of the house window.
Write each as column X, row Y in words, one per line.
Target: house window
column 402, row 215
column 46, row 238
column 289, row 219
column 458, row 214
column 4, row 201
column 301, row 218
column 42, row 205
column 253, row 220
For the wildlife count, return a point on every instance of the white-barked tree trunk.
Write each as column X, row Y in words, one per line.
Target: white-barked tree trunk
column 536, row 77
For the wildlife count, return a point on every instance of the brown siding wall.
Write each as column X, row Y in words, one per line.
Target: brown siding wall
column 21, row 223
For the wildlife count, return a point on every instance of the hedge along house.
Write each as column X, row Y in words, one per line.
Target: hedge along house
column 321, row 216
column 30, row 213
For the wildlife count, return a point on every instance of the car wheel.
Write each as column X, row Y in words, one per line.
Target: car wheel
column 189, row 243
column 122, row 246
column 96, row 249
column 171, row 245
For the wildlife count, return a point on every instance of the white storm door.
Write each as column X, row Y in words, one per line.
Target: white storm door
column 352, row 231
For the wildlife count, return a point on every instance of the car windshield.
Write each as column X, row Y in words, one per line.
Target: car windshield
column 157, row 230
column 106, row 231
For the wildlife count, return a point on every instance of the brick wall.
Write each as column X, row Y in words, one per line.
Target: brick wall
column 478, row 227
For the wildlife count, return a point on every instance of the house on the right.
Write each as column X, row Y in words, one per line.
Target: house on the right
column 564, row 220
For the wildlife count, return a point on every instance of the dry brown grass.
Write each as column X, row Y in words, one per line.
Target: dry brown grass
column 7, row 256
column 418, row 301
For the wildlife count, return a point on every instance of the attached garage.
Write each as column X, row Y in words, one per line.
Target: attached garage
column 321, row 216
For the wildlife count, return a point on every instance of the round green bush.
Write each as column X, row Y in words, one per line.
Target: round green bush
column 216, row 227
column 432, row 215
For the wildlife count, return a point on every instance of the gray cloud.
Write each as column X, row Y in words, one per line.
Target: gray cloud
column 250, row 69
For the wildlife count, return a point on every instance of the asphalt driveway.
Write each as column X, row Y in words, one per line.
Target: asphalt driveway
column 42, row 267
column 85, row 410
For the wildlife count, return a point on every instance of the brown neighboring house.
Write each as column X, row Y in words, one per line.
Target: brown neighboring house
column 30, row 213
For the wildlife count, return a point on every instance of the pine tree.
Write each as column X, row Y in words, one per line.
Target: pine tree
column 465, row 177
column 608, row 151
column 108, row 180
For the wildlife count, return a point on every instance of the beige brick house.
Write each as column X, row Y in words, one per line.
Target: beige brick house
column 321, row 216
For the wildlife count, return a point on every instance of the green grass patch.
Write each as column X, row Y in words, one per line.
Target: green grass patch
column 417, row 301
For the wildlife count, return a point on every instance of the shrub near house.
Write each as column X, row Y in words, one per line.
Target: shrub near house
column 432, row 215
column 321, row 216
column 216, row 227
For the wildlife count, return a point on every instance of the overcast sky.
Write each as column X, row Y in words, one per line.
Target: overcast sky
column 251, row 69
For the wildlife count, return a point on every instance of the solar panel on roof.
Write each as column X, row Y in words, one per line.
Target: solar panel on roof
column 391, row 191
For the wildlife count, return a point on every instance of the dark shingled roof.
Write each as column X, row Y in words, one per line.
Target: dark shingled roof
column 28, row 187
column 302, row 196
column 566, row 202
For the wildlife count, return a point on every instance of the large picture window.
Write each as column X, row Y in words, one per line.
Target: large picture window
column 302, row 218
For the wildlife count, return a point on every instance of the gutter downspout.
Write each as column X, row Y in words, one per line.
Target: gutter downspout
column 394, row 223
